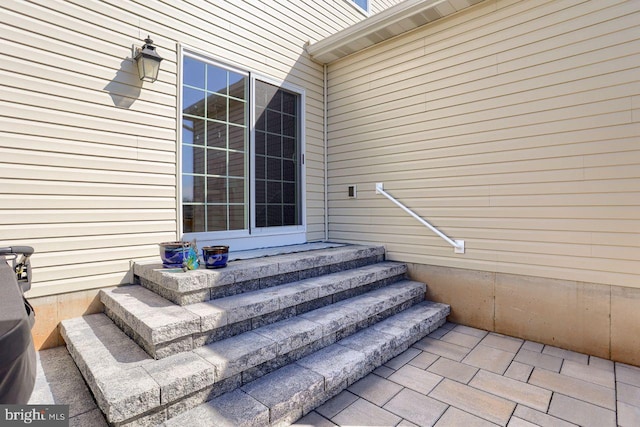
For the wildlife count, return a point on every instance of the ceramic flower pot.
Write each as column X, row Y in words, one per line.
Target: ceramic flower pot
column 174, row 254
column 215, row 256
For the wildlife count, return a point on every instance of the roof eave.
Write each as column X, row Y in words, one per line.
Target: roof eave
column 382, row 26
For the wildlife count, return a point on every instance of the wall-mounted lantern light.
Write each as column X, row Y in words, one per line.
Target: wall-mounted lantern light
column 148, row 61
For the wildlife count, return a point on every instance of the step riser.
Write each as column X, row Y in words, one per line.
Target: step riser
column 260, row 318
column 206, row 285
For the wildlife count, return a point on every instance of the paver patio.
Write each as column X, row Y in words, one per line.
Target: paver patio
column 456, row 376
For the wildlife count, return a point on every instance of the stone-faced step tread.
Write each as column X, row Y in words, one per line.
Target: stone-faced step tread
column 128, row 384
column 284, row 395
column 111, row 363
column 250, row 274
column 164, row 328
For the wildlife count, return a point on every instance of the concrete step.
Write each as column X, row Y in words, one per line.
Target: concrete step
column 283, row 396
column 163, row 328
column 308, row 359
column 244, row 275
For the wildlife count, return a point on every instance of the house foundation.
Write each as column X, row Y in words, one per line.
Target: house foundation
column 597, row 319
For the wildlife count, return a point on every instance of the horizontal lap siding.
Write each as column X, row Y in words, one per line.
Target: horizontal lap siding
column 513, row 125
column 88, row 156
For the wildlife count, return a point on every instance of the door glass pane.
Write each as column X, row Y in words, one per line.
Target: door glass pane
column 236, row 111
column 216, row 134
column 193, row 131
column 216, row 79
column 274, row 169
column 277, row 181
column 237, row 137
column 217, row 107
column 216, row 190
column 236, row 190
column 289, row 102
column 193, row 101
column 193, row 218
column 192, row 159
column 236, row 216
column 216, row 218
column 214, row 148
column 193, row 72
column 274, row 145
column 236, row 164
column 192, row 189
column 216, row 162
column 237, row 85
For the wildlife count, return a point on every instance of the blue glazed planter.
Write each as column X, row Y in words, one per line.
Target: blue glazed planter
column 174, row 254
column 215, row 256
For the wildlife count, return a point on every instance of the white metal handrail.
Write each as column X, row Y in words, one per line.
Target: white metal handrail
column 458, row 245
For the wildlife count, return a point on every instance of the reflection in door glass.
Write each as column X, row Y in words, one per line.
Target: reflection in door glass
column 214, row 148
column 277, row 161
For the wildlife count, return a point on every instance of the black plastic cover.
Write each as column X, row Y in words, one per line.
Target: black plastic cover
column 17, row 353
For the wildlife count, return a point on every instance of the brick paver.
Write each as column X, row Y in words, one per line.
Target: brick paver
column 590, row 373
column 364, row 413
column 454, row 417
column 502, row 342
column 464, row 340
column 540, row 360
column 375, row 389
column 520, row 392
column 489, row 358
column 580, row 412
column 477, row 378
column 416, row 407
column 475, row 401
column 628, row 374
column 436, row 382
column 454, row 370
column 569, row 386
column 628, row 415
column 519, row 371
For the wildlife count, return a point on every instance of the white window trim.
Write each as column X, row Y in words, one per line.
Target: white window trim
column 365, row 12
column 253, row 237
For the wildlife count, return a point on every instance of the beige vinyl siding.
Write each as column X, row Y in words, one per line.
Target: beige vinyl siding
column 380, row 5
column 88, row 154
column 512, row 125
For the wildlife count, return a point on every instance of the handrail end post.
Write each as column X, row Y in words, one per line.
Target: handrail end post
column 379, row 187
column 459, row 248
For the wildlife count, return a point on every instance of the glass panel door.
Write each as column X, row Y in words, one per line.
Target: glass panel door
column 241, row 157
column 214, row 148
column 277, row 156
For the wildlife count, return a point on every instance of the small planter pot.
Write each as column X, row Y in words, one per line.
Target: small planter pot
column 174, row 254
column 215, row 256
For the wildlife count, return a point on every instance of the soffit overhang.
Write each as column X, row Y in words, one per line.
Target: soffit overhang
column 389, row 23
